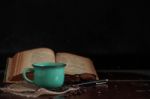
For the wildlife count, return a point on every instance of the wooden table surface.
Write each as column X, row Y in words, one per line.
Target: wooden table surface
column 115, row 90
column 133, row 87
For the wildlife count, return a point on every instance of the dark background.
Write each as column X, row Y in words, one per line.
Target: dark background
column 115, row 35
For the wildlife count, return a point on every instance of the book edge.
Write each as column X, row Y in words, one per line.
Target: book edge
column 8, row 63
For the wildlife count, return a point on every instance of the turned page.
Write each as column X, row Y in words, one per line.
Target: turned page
column 37, row 55
column 76, row 64
column 25, row 59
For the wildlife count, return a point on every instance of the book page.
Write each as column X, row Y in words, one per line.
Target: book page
column 25, row 59
column 76, row 64
column 37, row 55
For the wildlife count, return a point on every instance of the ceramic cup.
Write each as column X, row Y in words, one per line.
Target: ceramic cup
column 46, row 74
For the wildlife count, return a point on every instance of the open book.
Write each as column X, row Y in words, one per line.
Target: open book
column 75, row 64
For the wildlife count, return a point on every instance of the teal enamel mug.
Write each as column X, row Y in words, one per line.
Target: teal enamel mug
column 46, row 74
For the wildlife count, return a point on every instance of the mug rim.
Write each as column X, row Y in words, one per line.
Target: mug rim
column 48, row 64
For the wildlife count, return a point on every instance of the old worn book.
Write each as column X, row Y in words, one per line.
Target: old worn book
column 75, row 64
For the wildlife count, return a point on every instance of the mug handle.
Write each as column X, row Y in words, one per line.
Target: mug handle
column 25, row 76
